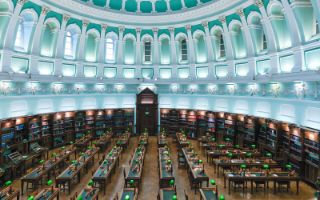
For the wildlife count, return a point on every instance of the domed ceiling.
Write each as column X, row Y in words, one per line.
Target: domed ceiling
column 147, row 6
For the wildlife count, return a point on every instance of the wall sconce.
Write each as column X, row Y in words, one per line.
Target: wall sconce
column 193, row 88
column 275, row 89
column 212, row 89
column 57, row 87
column 301, row 90
column 33, row 87
column 174, row 87
column 5, row 87
column 119, row 87
column 253, row 89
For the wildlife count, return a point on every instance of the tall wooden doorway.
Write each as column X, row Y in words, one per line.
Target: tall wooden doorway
column 147, row 112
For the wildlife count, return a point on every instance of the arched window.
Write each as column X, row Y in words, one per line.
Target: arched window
column 110, row 50
column 68, row 45
column 264, row 43
column 183, row 50
column 25, row 30
column 49, row 37
column 222, row 48
column 165, row 50
column 71, row 41
column 147, row 51
column 6, row 9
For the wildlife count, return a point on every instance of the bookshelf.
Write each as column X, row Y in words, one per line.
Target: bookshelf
column 58, row 134
column 272, row 138
column 262, row 132
column 230, row 128
column 108, row 118
column 129, row 119
column 118, row 121
column 296, row 149
column 46, row 130
column 34, row 129
column 201, row 123
column 79, row 124
column 9, row 140
column 192, row 124
column 220, row 122
column 90, row 122
column 311, row 153
column 100, row 123
column 240, row 131
column 69, row 126
column 211, row 122
column 173, row 121
column 183, row 122
column 285, row 140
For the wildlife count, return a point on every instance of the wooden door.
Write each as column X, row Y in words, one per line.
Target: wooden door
column 147, row 112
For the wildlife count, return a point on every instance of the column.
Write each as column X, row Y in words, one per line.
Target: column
column 155, row 46
column 153, row 6
column 248, row 38
column 227, row 39
column 81, row 48
column 252, row 68
column 138, row 46
column 5, row 65
column 316, row 10
column 267, row 27
column 274, row 62
column 123, row 5
column 191, row 52
column 173, row 47
column 183, row 4
column 138, row 6
column 120, row 46
column 102, row 43
column 293, row 24
column 168, row 5
column 208, row 41
column 38, row 31
column 60, row 46
column 107, row 3
column 295, row 36
column 101, row 58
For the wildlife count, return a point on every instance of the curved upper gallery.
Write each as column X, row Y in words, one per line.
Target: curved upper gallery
column 262, row 48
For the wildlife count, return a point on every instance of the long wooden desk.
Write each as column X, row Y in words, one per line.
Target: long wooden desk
column 236, row 163
column 123, row 140
column 162, row 140
column 9, row 193
column 182, row 140
column 165, row 168
column 195, row 170
column 143, row 139
column 136, row 167
column 89, row 195
column 74, row 170
column 236, row 153
column 167, row 193
column 103, row 141
column 107, row 168
column 208, row 194
column 131, row 192
column 83, row 142
column 260, row 176
column 48, row 194
column 35, row 176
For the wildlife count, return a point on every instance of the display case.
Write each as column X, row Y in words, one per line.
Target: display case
column 311, row 153
column 58, row 134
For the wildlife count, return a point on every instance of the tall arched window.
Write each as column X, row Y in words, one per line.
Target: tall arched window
column 49, row 37
column 264, row 43
column 183, row 50
column 110, row 50
column 71, row 41
column 147, row 51
column 165, row 51
column 68, row 45
column 25, row 30
column 200, row 47
column 237, row 39
column 222, row 48
column 6, row 9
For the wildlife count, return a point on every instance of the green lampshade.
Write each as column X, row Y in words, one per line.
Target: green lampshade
column 269, row 155
column 237, row 146
column 64, row 147
column 79, row 198
column 8, row 183
column 317, row 194
column 71, row 142
column 131, row 182
column 118, row 142
column 248, row 155
column 49, row 182
column 230, row 155
column 31, row 197
column 227, row 139
column 265, row 166
column 200, row 161
column 90, row 183
column 221, row 197
column 253, row 146
column 171, row 182
column 81, row 154
column 41, row 161
column 127, row 197
column 243, row 166
column 89, row 147
column 289, row 166
column 174, row 197
column 73, row 161
column 54, row 155
column 213, row 139
column 212, row 182
column 169, row 162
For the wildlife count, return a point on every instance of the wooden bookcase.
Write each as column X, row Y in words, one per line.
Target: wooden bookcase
column 58, row 132
column 80, row 124
column 69, row 128
column 100, row 123
column 202, row 123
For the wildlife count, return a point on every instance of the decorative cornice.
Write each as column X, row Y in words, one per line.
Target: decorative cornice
column 155, row 30
column 188, row 27
column 66, row 17
column 121, row 28
column 222, row 19
column 45, row 10
column 21, row 2
column 240, row 12
column 104, row 26
column 259, row 3
column 204, row 24
column 85, row 23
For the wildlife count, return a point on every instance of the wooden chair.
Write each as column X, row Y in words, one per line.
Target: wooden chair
column 239, row 183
